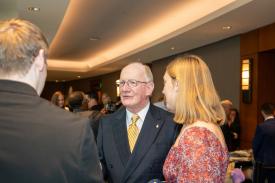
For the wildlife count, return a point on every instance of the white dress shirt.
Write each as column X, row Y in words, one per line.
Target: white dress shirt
column 141, row 114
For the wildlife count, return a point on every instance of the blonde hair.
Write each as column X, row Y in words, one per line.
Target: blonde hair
column 55, row 96
column 227, row 103
column 197, row 98
column 20, row 42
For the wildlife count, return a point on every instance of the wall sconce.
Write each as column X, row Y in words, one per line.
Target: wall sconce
column 246, row 81
column 117, row 88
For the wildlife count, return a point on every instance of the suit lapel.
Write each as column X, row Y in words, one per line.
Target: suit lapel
column 151, row 126
column 121, row 137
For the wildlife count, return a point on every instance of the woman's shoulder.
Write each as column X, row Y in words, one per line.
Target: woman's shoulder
column 204, row 130
column 202, row 126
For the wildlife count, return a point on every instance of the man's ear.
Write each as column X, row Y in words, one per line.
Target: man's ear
column 150, row 88
column 40, row 60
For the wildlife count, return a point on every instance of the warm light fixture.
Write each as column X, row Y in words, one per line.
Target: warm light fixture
column 226, row 27
column 33, row 9
column 246, row 80
column 117, row 88
column 245, row 74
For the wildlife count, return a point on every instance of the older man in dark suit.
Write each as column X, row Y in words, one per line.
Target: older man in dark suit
column 134, row 141
column 264, row 144
column 39, row 142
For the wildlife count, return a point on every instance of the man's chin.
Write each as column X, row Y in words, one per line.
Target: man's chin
column 126, row 100
column 126, row 104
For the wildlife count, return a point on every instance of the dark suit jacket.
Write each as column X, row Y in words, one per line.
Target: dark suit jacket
column 145, row 163
column 94, row 117
column 264, row 143
column 41, row 143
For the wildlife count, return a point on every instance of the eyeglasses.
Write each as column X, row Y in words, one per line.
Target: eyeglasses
column 131, row 83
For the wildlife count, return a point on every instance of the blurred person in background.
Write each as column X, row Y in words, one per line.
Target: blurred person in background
column 108, row 105
column 264, row 146
column 229, row 130
column 235, row 128
column 78, row 103
column 93, row 104
column 227, row 106
column 58, row 99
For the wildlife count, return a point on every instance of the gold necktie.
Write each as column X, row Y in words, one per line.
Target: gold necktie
column 133, row 132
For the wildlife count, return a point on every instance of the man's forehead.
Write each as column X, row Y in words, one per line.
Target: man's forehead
column 134, row 66
column 134, row 70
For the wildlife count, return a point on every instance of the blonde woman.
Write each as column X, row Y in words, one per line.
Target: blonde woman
column 58, row 99
column 199, row 153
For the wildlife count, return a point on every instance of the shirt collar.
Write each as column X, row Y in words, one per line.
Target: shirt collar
column 142, row 114
column 269, row 117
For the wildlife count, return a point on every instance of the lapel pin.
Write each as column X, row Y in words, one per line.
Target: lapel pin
column 157, row 126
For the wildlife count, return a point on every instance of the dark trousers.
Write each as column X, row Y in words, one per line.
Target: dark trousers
column 263, row 174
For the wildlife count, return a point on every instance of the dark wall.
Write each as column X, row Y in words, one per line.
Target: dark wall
column 51, row 87
column 223, row 59
column 105, row 83
column 109, row 84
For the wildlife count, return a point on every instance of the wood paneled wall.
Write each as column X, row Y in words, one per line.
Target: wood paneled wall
column 258, row 45
column 267, row 38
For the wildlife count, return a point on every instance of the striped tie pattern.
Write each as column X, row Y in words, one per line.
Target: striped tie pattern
column 133, row 132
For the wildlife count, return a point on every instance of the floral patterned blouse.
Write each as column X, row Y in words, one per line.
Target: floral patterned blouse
column 198, row 157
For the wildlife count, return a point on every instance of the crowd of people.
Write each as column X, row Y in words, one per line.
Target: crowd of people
column 79, row 139
column 86, row 105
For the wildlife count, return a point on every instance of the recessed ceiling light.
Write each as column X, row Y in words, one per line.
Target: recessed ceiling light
column 172, row 48
column 226, row 27
column 56, row 81
column 79, row 76
column 33, row 9
column 93, row 38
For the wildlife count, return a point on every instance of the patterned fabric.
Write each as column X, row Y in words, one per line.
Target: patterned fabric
column 133, row 132
column 199, row 157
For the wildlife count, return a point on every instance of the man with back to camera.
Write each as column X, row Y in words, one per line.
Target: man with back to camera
column 264, row 143
column 39, row 142
column 133, row 142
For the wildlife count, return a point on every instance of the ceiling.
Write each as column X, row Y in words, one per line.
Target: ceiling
column 93, row 37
